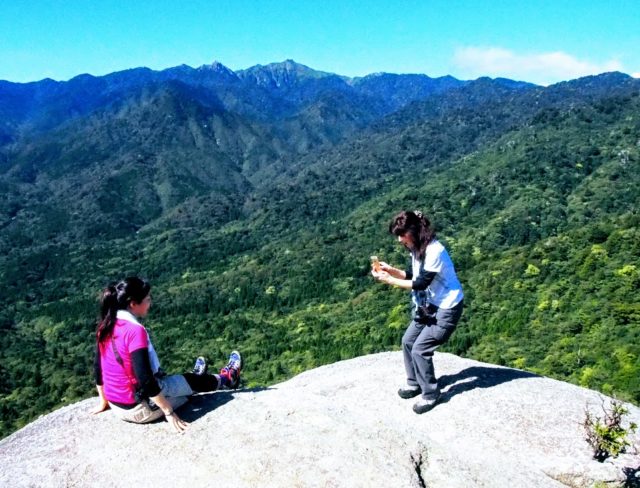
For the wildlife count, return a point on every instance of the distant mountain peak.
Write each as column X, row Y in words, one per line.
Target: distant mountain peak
column 182, row 68
column 290, row 66
column 83, row 77
column 608, row 78
column 217, row 67
column 281, row 75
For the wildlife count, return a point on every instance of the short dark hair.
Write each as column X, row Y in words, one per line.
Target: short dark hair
column 417, row 226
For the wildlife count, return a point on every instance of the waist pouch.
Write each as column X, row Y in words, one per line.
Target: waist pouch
column 426, row 314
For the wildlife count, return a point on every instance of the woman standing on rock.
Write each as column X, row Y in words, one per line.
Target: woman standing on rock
column 436, row 296
column 127, row 369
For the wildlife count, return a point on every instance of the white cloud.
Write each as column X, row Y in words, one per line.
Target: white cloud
column 541, row 68
column 635, row 75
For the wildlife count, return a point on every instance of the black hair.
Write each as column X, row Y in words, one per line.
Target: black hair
column 118, row 296
column 417, row 226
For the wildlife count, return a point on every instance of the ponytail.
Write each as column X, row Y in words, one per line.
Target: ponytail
column 118, row 297
column 108, row 312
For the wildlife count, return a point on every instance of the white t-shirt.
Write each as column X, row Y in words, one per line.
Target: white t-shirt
column 445, row 291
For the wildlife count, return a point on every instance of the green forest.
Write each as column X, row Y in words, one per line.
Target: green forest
column 535, row 192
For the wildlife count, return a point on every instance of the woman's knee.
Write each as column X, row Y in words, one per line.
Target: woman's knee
column 421, row 351
column 411, row 334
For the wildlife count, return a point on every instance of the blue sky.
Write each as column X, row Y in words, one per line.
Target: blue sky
column 541, row 41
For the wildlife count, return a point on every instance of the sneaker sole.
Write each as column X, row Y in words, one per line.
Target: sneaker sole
column 240, row 359
column 238, row 381
column 204, row 370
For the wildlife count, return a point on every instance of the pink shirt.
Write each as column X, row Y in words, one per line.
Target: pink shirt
column 118, row 382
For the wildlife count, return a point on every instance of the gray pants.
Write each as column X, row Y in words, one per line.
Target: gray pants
column 419, row 343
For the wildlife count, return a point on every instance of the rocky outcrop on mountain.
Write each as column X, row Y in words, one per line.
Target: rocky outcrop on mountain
column 340, row 425
column 282, row 75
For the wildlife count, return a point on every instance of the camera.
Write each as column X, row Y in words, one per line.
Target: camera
column 426, row 314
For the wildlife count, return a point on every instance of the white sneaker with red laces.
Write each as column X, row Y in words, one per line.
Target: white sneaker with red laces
column 232, row 370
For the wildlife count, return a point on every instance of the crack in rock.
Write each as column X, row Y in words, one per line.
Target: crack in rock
column 418, row 459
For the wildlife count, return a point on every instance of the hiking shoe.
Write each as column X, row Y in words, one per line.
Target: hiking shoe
column 232, row 370
column 409, row 391
column 200, row 367
column 425, row 404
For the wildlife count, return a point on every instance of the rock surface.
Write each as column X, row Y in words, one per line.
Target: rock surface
column 340, row 425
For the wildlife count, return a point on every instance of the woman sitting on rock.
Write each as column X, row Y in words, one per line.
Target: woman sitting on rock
column 436, row 296
column 127, row 369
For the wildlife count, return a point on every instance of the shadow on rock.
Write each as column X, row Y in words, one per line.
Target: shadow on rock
column 632, row 477
column 478, row 377
column 199, row 405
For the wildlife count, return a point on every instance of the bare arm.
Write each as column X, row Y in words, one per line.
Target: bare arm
column 102, row 401
column 150, row 387
column 393, row 272
column 390, row 280
column 392, row 276
column 178, row 424
column 97, row 370
column 397, row 277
